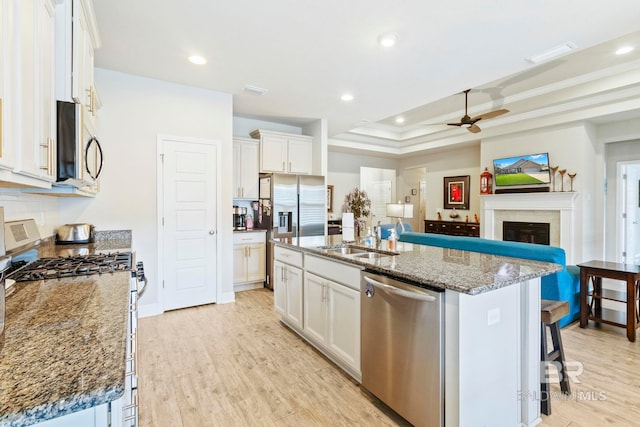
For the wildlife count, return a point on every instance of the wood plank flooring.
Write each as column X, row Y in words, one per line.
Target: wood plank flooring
column 237, row 365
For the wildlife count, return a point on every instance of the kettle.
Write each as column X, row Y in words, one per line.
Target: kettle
column 75, row 233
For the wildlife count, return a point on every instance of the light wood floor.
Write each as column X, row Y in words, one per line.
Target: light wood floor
column 236, row 365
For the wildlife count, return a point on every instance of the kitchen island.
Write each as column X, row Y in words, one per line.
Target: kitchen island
column 65, row 344
column 491, row 322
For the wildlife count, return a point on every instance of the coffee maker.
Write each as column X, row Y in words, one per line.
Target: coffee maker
column 239, row 218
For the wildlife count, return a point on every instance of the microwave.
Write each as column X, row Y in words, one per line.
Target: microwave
column 79, row 153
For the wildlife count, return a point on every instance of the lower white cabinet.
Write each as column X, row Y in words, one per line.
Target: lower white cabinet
column 249, row 260
column 332, row 318
column 320, row 299
column 287, row 289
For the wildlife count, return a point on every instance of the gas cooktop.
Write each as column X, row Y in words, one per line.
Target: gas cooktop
column 59, row 267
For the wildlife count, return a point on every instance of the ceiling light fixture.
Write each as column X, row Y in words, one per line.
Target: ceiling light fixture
column 623, row 50
column 254, row 90
column 552, row 53
column 399, row 120
column 347, row 97
column 388, row 39
column 197, row 59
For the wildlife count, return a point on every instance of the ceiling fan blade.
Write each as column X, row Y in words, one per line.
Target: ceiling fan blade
column 474, row 129
column 490, row 115
column 455, row 124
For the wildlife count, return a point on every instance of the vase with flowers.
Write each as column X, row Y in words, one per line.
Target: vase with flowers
column 359, row 204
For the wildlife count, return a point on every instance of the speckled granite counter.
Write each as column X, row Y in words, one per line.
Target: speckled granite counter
column 461, row 271
column 65, row 341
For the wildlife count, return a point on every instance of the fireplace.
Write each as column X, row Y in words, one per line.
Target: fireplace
column 527, row 232
column 555, row 208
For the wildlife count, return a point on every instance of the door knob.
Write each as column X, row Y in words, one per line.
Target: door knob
column 212, row 232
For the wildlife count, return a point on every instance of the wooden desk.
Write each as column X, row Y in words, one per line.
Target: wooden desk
column 594, row 271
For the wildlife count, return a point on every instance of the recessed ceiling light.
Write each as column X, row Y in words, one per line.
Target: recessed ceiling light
column 552, row 53
column 388, row 39
column 399, row 120
column 624, row 49
column 347, row 97
column 197, row 59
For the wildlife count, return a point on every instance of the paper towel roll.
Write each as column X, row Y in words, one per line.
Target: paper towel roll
column 348, row 234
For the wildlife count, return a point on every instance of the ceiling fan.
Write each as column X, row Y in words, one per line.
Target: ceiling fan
column 470, row 122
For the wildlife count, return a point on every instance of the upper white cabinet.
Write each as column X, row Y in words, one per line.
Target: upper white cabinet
column 9, row 92
column 246, row 166
column 285, row 153
column 37, row 113
column 76, row 39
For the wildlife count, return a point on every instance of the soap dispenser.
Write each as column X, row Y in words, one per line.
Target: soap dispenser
column 393, row 238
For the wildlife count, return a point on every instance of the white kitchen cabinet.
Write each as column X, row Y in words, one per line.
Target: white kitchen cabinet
column 287, row 290
column 37, row 113
column 249, row 260
column 332, row 318
column 246, row 165
column 9, row 92
column 288, row 286
column 285, row 153
column 76, row 39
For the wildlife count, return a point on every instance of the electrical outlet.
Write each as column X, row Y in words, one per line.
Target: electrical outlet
column 493, row 316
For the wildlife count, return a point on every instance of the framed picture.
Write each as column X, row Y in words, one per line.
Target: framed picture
column 329, row 198
column 456, row 192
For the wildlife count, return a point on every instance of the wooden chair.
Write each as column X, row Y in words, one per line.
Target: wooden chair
column 550, row 313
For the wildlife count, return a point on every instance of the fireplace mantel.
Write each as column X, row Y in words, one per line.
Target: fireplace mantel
column 562, row 202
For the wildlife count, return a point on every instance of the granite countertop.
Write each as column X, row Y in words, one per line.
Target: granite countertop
column 429, row 266
column 65, row 341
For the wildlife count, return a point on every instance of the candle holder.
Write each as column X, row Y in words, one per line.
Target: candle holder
column 571, row 176
column 553, row 170
column 562, row 172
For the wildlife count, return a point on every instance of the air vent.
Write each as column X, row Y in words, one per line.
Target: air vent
column 253, row 90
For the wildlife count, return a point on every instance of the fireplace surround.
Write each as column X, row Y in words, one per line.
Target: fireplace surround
column 556, row 208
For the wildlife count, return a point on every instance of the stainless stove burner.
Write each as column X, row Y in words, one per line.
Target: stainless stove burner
column 82, row 265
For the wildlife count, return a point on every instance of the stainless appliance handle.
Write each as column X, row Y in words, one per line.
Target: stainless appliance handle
column 398, row 291
column 143, row 288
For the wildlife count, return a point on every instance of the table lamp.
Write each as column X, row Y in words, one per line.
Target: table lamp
column 399, row 211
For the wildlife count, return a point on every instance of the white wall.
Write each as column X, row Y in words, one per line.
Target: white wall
column 134, row 111
column 571, row 147
column 455, row 162
column 343, row 172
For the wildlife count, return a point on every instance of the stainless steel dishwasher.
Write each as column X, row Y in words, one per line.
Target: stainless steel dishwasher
column 403, row 347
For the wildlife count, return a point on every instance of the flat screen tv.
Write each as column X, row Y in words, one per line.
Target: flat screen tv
column 532, row 169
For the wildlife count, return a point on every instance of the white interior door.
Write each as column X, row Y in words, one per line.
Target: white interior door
column 190, row 177
column 629, row 179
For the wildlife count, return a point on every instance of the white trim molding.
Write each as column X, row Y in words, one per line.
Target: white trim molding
column 561, row 202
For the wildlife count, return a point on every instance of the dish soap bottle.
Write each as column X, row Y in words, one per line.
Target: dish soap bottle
column 393, row 238
column 368, row 238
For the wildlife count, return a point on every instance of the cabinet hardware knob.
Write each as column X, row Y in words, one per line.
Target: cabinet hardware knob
column 212, row 232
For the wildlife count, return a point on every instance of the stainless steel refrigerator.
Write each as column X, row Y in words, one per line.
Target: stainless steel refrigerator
column 290, row 206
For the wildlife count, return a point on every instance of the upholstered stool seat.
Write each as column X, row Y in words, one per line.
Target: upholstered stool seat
column 550, row 313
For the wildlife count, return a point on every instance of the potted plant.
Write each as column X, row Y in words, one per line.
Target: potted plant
column 359, row 203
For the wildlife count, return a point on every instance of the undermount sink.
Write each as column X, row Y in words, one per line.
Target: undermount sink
column 348, row 250
column 370, row 255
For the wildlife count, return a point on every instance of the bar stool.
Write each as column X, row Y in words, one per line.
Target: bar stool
column 550, row 313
